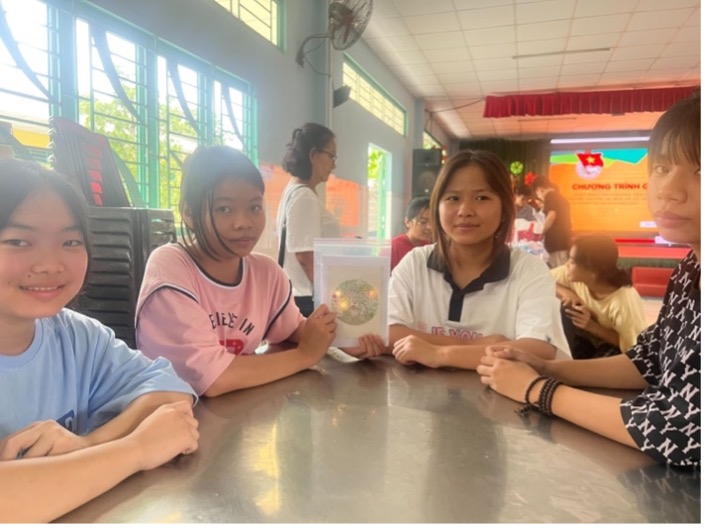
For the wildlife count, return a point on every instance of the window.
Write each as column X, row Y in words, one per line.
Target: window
column 29, row 82
column 154, row 102
column 260, row 15
column 373, row 98
column 430, row 142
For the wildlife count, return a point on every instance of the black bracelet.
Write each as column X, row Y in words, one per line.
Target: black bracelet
column 546, row 396
column 524, row 409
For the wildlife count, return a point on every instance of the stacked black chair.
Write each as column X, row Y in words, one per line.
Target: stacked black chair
column 122, row 237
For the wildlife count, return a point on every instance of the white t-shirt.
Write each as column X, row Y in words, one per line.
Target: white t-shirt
column 514, row 297
column 306, row 219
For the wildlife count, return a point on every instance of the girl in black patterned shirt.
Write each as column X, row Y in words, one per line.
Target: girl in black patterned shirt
column 664, row 420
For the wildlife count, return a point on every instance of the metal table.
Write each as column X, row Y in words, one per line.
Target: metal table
column 375, row 441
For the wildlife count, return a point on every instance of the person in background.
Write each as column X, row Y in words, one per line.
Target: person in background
column 664, row 420
column 522, row 195
column 301, row 216
column 450, row 299
column 557, row 225
column 606, row 314
column 418, row 229
column 79, row 411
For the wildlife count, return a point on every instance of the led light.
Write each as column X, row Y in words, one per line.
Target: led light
column 563, row 141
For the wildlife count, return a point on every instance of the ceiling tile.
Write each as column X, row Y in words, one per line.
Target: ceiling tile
column 545, row 71
column 422, row 7
column 487, row 17
column 590, row 79
column 541, row 46
column 555, row 29
column 500, row 86
column 464, row 76
column 537, row 62
column 434, row 23
column 659, row 19
column 675, row 62
column 404, row 43
column 688, row 34
column 655, row 36
column 608, row 40
column 445, row 55
column 384, row 9
column 589, row 8
column 680, row 49
column 538, row 84
column 483, row 37
column 637, row 52
column 628, row 65
column 582, row 69
column 599, row 25
column 544, row 11
column 497, row 75
column 494, row 64
column 452, row 39
column 655, row 5
column 492, row 52
column 442, row 67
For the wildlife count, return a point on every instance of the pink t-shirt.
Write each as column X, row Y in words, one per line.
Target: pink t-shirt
column 201, row 324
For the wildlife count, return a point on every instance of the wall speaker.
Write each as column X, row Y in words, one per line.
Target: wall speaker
column 426, row 166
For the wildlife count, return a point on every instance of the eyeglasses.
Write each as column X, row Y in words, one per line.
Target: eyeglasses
column 332, row 156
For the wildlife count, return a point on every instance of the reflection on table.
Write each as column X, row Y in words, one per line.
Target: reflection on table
column 375, row 441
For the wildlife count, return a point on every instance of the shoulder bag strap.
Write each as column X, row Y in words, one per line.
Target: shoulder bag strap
column 282, row 238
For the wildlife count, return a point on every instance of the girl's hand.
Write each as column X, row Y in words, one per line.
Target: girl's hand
column 568, row 297
column 41, row 439
column 318, row 332
column 369, row 346
column 579, row 314
column 502, row 352
column 169, row 431
column 509, row 378
column 412, row 349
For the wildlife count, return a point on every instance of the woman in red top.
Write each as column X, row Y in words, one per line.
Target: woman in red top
column 418, row 229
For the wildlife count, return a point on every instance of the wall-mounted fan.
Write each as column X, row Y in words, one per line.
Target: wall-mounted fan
column 347, row 20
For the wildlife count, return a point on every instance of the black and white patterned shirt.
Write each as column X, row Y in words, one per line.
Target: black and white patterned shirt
column 664, row 420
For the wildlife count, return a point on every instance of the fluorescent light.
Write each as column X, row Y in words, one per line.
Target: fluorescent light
column 566, row 52
column 600, row 140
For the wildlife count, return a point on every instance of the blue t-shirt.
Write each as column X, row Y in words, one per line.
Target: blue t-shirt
column 77, row 373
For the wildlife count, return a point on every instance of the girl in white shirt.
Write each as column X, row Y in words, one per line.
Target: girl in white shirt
column 451, row 299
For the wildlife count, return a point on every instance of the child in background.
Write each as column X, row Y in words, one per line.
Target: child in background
column 449, row 300
column 418, row 230
column 80, row 410
column 664, row 420
column 605, row 314
column 209, row 302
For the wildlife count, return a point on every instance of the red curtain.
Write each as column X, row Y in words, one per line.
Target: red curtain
column 560, row 103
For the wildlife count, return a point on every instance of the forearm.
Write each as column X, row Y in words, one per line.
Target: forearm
column 305, row 260
column 258, row 369
column 398, row 331
column 595, row 412
column 134, row 414
column 42, row 489
column 468, row 355
column 537, row 347
column 616, row 372
column 603, row 333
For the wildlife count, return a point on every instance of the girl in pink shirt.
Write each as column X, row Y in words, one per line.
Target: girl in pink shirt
column 207, row 303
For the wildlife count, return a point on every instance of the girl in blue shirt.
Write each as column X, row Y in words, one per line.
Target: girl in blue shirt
column 79, row 410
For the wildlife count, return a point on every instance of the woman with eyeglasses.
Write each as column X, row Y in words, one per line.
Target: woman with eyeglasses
column 418, row 229
column 301, row 216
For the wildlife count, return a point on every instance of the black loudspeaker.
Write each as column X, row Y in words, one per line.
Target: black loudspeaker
column 427, row 165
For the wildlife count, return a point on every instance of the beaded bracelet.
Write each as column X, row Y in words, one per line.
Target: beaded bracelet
column 524, row 409
column 546, row 396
